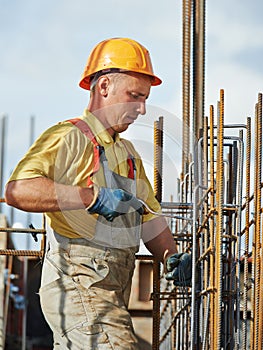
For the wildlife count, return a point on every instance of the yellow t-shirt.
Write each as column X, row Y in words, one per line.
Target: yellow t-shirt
column 65, row 155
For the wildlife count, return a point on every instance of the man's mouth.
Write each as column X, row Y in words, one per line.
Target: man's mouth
column 131, row 120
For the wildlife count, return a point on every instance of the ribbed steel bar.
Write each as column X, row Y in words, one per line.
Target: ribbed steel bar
column 194, row 313
column 212, row 229
column 255, row 198
column 260, row 303
column 198, row 65
column 198, row 12
column 3, row 125
column 158, row 165
column 238, row 233
column 7, row 295
column 246, row 245
column 158, row 158
column 205, row 243
column 257, row 229
column 156, row 306
column 16, row 252
column 187, row 10
column 219, row 227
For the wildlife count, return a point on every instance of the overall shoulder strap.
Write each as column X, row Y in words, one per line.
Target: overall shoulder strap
column 97, row 149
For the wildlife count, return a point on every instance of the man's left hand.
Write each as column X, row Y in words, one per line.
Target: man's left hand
column 179, row 269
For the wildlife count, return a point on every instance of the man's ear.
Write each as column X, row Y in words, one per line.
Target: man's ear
column 103, row 85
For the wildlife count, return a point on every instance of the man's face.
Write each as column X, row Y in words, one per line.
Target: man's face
column 125, row 101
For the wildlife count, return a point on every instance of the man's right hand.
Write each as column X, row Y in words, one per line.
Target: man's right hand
column 111, row 203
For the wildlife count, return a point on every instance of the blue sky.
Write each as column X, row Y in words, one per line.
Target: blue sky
column 44, row 46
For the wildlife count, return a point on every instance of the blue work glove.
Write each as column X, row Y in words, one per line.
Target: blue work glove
column 179, row 269
column 111, row 203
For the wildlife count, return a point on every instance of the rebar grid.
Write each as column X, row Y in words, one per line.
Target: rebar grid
column 225, row 310
column 34, row 232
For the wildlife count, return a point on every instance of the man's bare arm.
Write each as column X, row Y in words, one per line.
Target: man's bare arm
column 44, row 195
column 158, row 238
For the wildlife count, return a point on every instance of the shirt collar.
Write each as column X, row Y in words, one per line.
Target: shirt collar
column 99, row 131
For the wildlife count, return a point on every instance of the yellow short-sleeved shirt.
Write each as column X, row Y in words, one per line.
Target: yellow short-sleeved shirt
column 65, row 155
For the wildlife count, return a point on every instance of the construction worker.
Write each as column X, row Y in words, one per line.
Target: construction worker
column 91, row 185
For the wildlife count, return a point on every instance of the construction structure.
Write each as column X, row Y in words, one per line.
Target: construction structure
column 217, row 219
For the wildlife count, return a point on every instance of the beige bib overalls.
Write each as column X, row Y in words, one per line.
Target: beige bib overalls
column 85, row 285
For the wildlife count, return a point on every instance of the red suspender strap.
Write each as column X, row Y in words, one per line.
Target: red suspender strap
column 131, row 167
column 85, row 129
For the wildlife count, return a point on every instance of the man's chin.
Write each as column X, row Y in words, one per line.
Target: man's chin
column 121, row 128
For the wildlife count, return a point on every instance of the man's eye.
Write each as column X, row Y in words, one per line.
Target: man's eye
column 135, row 96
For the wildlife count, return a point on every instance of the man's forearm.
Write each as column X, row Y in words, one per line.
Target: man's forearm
column 158, row 238
column 44, row 195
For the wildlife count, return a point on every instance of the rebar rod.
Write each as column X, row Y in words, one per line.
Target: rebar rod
column 194, row 314
column 260, row 302
column 156, row 306
column 158, row 158
column 16, row 252
column 187, row 10
column 257, row 228
column 212, row 228
column 158, row 165
column 198, row 65
column 246, row 245
column 3, row 124
column 238, row 234
column 7, row 295
column 206, row 300
column 219, row 228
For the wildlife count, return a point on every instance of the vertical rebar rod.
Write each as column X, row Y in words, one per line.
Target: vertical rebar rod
column 158, row 158
column 186, row 86
column 246, row 245
column 238, row 228
column 212, row 228
column 7, row 295
column 206, row 300
column 257, row 229
column 2, row 153
column 198, row 65
column 194, row 314
column 156, row 306
column 219, row 228
column 158, row 165
column 254, row 235
column 25, row 259
column 260, row 302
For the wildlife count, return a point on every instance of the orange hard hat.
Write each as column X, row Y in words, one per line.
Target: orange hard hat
column 118, row 53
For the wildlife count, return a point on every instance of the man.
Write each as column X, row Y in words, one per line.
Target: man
column 91, row 184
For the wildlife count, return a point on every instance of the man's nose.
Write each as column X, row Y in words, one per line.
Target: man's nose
column 141, row 108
